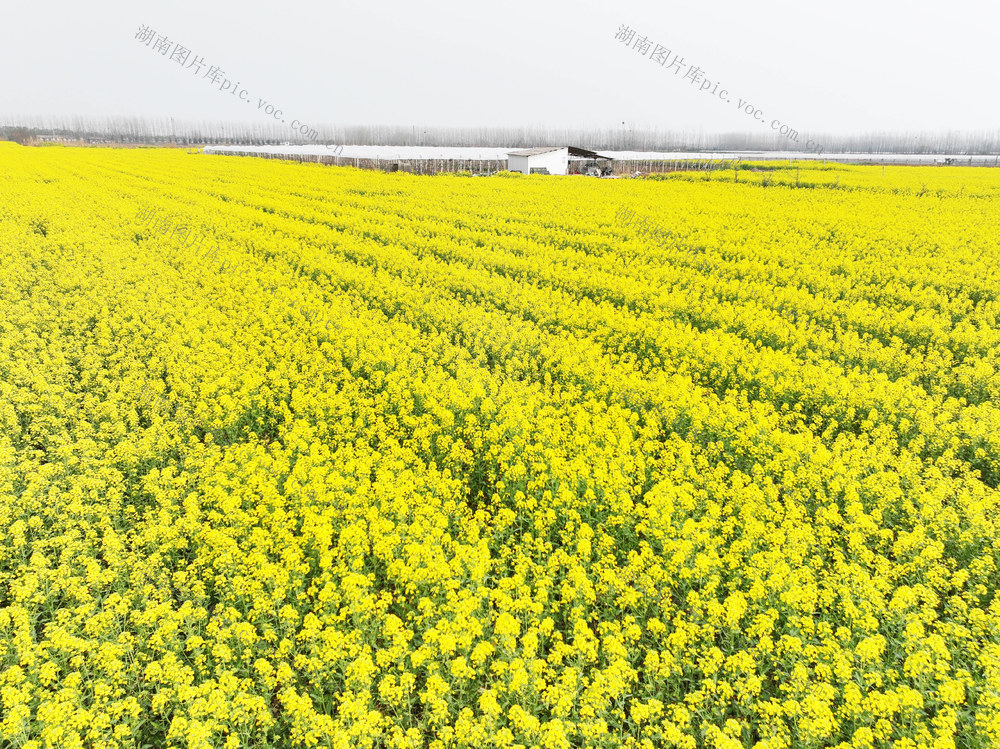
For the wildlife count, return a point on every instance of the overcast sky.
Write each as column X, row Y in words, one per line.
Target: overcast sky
column 850, row 66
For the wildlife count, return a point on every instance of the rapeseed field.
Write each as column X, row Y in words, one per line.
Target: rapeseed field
column 298, row 456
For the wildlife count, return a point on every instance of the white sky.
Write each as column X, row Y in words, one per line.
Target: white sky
column 850, row 66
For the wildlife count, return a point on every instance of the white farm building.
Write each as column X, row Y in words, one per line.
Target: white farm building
column 554, row 160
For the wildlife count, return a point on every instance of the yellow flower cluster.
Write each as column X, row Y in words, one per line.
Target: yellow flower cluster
column 440, row 462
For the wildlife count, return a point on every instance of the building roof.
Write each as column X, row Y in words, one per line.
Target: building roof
column 579, row 153
column 535, row 151
column 583, row 153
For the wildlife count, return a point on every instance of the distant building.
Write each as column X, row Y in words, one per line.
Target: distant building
column 555, row 160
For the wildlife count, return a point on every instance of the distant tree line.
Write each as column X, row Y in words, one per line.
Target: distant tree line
column 165, row 131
